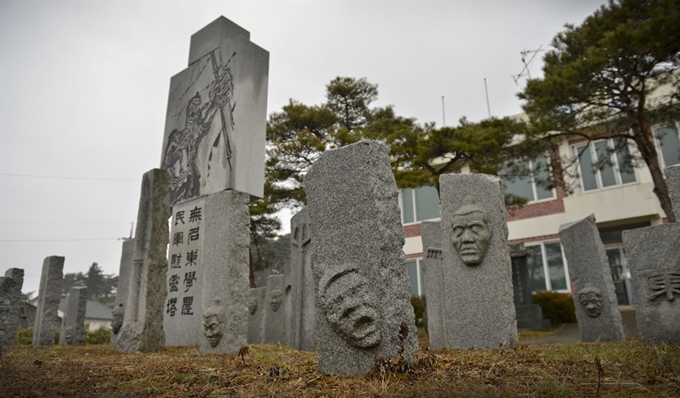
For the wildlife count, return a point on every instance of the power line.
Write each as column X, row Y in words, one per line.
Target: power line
column 55, row 240
column 68, row 178
column 65, row 223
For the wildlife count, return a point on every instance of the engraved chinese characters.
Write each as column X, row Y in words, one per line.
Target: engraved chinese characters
column 185, row 255
column 653, row 255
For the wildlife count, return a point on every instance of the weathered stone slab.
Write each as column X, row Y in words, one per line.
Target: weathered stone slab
column 480, row 312
column 120, row 304
column 362, row 287
column 274, row 315
column 529, row 315
column 433, row 268
column 216, row 118
column 597, row 310
column 12, row 296
column 653, row 255
column 225, row 260
column 142, row 329
column 182, row 319
column 303, row 317
column 256, row 310
column 46, row 317
column 287, row 297
column 6, row 288
column 73, row 322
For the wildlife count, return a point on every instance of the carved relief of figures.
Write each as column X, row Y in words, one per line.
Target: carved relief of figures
column 591, row 300
column 347, row 301
column 664, row 283
column 181, row 154
column 471, row 233
column 212, row 324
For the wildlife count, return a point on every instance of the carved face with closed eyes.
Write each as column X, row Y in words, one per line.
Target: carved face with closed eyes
column 471, row 234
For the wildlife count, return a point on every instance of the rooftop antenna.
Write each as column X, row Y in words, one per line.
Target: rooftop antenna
column 443, row 113
column 530, row 54
column 486, row 90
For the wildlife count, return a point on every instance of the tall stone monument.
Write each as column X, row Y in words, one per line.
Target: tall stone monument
column 12, row 297
column 142, row 329
column 431, row 235
column 653, row 255
column 287, row 297
column 119, row 304
column 73, row 322
column 274, row 313
column 303, row 317
column 6, row 288
column 480, row 312
column 256, row 310
column 529, row 315
column 46, row 317
column 213, row 149
column 597, row 310
column 362, row 290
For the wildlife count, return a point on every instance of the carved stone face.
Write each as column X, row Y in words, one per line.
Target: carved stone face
column 591, row 301
column 252, row 306
column 118, row 313
column 276, row 300
column 212, row 329
column 471, row 234
column 68, row 335
column 348, row 307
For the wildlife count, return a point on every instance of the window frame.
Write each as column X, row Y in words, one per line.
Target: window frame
column 415, row 207
column 533, row 182
column 598, row 177
column 546, row 270
column 657, row 142
column 419, row 275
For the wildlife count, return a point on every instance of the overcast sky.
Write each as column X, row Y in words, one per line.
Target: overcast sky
column 84, row 86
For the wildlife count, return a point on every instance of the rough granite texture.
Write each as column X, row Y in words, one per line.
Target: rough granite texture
column 142, row 329
column 653, row 255
column 225, row 267
column 480, row 312
column 10, row 322
column 183, row 323
column 303, row 317
column 228, row 75
column 73, row 322
column 256, row 315
column 435, row 289
column 362, row 287
column 287, row 296
column 274, row 311
column 589, row 269
column 46, row 317
column 6, row 288
column 126, row 257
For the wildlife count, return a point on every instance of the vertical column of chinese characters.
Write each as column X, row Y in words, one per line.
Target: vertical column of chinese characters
column 191, row 268
column 176, row 254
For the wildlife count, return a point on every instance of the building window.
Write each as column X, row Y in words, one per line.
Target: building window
column 419, row 204
column 416, row 277
column 525, row 186
column 668, row 139
column 547, row 269
column 604, row 164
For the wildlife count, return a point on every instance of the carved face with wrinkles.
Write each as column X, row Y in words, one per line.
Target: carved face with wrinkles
column 471, row 234
column 347, row 302
column 591, row 301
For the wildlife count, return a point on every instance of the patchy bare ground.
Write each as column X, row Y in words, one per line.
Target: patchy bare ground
column 627, row 369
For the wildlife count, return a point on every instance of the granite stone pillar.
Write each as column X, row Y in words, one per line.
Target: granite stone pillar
column 142, row 329
column 597, row 310
column 73, row 322
column 256, row 310
column 46, row 317
column 303, row 324
column 274, row 313
column 480, row 311
column 12, row 296
column 362, row 287
column 431, row 235
column 124, row 272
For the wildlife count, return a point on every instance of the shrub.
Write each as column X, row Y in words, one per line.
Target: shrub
column 99, row 336
column 558, row 307
column 419, row 309
column 24, row 336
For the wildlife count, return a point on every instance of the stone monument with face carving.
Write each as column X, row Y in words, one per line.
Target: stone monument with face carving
column 362, row 291
column 480, row 311
column 274, row 313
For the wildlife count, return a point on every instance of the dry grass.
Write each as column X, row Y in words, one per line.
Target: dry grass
column 630, row 369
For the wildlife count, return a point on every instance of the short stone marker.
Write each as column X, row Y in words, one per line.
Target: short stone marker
column 597, row 310
column 433, row 264
column 287, row 297
column 142, row 329
column 11, row 296
column 303, row 322
column 274, row 313
column 480, row 312
column 6, row 288
column 362, row 288
column 653, row 255
column 256, row 310
column 119, row 304
column 73, row 322
column 529, row 315
column 46, row 317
